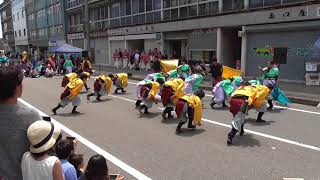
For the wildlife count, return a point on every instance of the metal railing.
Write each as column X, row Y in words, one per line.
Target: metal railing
column 73, row 3
column 76, row 28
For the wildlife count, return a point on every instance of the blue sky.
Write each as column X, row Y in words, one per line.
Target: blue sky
column 0, row 23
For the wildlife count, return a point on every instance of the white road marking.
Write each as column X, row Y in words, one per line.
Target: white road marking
column 282, row 107
column 246, row 130
column 92, row 146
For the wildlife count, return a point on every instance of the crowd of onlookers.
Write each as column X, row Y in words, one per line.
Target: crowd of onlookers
column 32, row 147
column 140, row 60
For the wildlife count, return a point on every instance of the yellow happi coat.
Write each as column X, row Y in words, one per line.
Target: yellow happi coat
column 196, row 104
column 256, row 95
column 154, row 89
column 107, row 81
column 88, row 74
column 178, row 87
column 72, row 76
column 75, row 87
column 123, row 78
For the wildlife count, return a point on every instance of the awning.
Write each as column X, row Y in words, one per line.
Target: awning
column 65, row 48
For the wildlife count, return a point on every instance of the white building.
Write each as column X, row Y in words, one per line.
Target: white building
column 19, row 25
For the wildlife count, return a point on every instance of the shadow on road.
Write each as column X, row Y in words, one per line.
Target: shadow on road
column 246, row 140
column 170, row 121
column 277, row 110
column 151, row 115
column 102, row 100
column 68, row 114
column 253, row 122
column 190, row 132
column 122, row 94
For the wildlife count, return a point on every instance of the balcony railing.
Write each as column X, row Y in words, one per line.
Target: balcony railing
column 73, row 3
column 76, row 28
column 268, row 3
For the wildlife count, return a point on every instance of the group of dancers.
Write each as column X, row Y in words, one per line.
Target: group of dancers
column 178, row 90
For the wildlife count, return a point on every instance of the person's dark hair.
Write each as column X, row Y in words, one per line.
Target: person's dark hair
column 111, row 76
column 38, row 155
column 129, row 74
column 83, row 76
column 97, row 168
column 76, row 160
column 199, row 93
column 10, row 78
column 64, row 148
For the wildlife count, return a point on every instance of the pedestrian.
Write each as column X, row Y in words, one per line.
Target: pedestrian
column 120, row 80
column 63, row 150
column 165, row 55
column 216, row 71
column 125, row 58
column 70, row 94
column 244, row 98
column 171, row 92
column 102, row 87
column 15, row 119
column 49, row 71
column 37, row 164
column 97, row 169
column 116, row 57
column 189, row 108
column 77, row 161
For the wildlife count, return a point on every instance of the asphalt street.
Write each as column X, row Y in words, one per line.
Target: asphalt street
column 286, row 146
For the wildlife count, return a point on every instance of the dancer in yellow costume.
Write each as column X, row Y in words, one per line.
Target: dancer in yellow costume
column 102, row 87
column 120, row 80
column 189, row 107
column 70, row 94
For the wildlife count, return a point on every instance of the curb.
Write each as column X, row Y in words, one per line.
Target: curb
column 298, row 100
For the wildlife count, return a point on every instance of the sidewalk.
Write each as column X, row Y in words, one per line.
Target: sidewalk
column 296, row 92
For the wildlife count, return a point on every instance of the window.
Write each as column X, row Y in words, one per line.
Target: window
column 149, row 5
column 233, row 5
column 188, row 11
column 24, row 32
column 135, row 6
column 208, row 8
column 22, row 13
column 291, row 1
column 255, row 3
column 13, row 18
column 31, row 17
column 141, row 6
column 115, row 10
column 272, row 2
column 156, row 4
column 19, row 33
column 128, row 7
column 174, row 13
column 18, row 16
column 15, row 33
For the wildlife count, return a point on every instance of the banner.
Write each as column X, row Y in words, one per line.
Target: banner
column 229, row 72
column 168, row 65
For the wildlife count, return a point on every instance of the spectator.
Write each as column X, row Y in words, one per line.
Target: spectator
column 77, row 161
column 216, row 71
column 49, row 71
column 120, row 58
column 125, row 58
column 63, row 150
column 68, row 66
column 116, row 58
column 37, row 164
column 165, row 55
column 174, row 55
column 62, row 61
column 15, row 120
column 97, row 169
column 137, row 59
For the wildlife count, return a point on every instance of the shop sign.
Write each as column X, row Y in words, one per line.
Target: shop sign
column 158, row 36
column 52, row 43
column 116, row 32
column 76, row 36
column 289, row 13
column 204, row 31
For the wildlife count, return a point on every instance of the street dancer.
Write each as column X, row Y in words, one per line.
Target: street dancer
column 192, row 83
column 70, row 94
column 155, row 76
column 171, row 74
column 149, row 95
column 189, row 108
column 70, row 77
column 184, row 70
column 120, row 80
column 171, row 92
column 270, row 78
column 243, row 99
column 223, row 90
column 102, row 87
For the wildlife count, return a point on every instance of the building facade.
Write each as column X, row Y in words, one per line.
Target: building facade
column 19, row 25
column 46, row 24
column 245, row 33
column 7, row 25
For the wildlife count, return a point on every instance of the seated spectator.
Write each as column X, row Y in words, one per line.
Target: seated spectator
column 14, row 122
column 97, row 169
column 78, row 162
column 63, row 150
column 37, row 164
column 49, row 71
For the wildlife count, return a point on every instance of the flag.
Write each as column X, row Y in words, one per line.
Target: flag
column 279, row 96
column 229, row 72
column 168, row 65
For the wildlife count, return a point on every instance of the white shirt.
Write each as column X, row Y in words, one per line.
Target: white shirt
column 37, row 170
column 136, row 56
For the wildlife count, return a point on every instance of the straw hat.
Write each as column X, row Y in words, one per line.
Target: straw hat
column 42, row 136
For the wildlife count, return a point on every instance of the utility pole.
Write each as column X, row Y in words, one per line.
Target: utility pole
column 86, row 26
